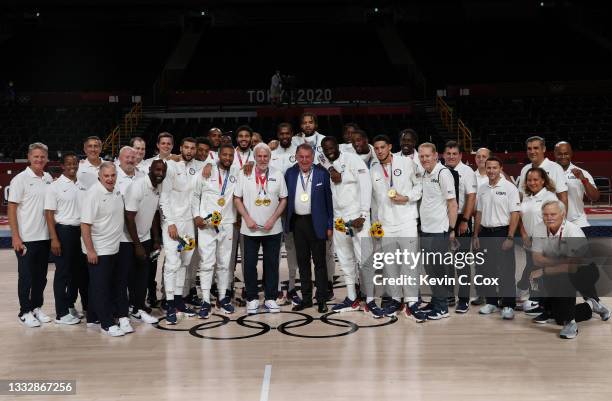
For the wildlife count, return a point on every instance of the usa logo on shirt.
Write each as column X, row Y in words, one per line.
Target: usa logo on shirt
column 292, row 158
column 191, row 170
column 397, row 172
column 232, row 179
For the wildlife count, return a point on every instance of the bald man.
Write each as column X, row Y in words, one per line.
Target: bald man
column 579, row 183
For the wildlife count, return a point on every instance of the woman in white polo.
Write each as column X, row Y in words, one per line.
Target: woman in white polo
column 30, row 237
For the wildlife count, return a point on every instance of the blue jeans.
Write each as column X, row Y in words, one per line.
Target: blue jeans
column 437, row 242
column 271, row 251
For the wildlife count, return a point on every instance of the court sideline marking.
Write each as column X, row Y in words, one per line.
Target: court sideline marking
column 265, row 386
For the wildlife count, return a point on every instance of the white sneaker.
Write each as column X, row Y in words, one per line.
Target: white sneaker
column 252, row 307
column 41, row 316
column 529, row 304
column 74, row 312
column 488, row 309
column 29, row 320
column 113, row 331
column 507, row 313
column 145, row 317
column 68, row 319
column 271, row 306
column 125, row 326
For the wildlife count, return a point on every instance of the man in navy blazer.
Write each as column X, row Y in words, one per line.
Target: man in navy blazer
column 310, row 219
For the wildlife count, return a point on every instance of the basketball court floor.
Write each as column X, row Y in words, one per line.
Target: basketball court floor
column 306, row 356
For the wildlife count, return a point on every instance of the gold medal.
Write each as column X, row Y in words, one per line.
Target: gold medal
column 258, row 202
column 392, row 193
column 221, row 202
column 304, row 197
column 267, row 202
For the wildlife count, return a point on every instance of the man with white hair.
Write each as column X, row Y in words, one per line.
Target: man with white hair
column 558, row 250
column 261, row 198
column 102, row 224
column 30, row 237
column 126, row 171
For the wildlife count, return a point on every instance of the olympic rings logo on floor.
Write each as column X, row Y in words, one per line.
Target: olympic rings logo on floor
column 284, row 328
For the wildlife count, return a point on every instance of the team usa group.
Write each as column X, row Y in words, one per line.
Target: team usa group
column 105, row 222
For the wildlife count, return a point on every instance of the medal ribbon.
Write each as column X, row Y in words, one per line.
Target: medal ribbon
column 304, row 186
column 390, row 173
column 240, row 158
column 224, row 181
column 263, row 180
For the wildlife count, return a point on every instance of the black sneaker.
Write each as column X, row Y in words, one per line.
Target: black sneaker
column 542, row 318
column 478, row 301
column 462, row 307
column 392, row 308
column 330, row 291
column 535, row 311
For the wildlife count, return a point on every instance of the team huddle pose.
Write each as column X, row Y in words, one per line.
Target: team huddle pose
column 105, row 224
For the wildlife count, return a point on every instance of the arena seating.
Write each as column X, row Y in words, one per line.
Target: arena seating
column 503, row 124
column 61, row 128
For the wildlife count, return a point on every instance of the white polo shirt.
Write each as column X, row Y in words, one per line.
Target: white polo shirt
column 249, row 191
column 368, row 158
column 575, row 196
column 467, row 183
column 87, row 174
column 415, row 158
column 438, row 188
column 555, row 173
column 207, row 192
column 242, row 158
column 28, row 191
column 303, row 208
column 497, row 202
column 568, row 241
column 283, row 158
column 124, row 180
column 480, row 179
column 315, row 142
column 405, row 182
column 103, row 210
column 531, row 209
column 143, row 198
column 353, row 196
column 177, row 189
column 63, row 197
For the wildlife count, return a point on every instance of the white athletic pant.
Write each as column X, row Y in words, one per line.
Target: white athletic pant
column 175, row 265
column 401, row 237
column 331, row 260
column 348, row 250
column 215, row 250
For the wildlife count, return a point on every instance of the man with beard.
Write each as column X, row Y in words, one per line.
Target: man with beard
column 256, row 139
column 408, row 140
column 536, row 148
column 142, row 232
column 283, row 157
column 64, row 223
column 177, row 222
column 579, row 183
column 244, row 154
column 215, row 194
column 226, row 139
column 351, row 202
column 361, row 147
column 261, row 199
column 214, row 136
column 202, row 148
column 87, row 174
column 347, row 136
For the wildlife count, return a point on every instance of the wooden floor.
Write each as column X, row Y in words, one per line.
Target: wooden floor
column 465, row 357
